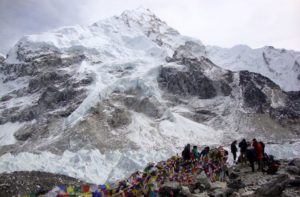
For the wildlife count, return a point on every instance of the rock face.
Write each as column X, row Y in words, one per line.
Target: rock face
column 259, row 95
column 275, row 187
column 253, row 96
column 50, row 88
column 294, row 166
column 190, row 79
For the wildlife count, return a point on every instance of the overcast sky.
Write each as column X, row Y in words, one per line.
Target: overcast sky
column 215, row 22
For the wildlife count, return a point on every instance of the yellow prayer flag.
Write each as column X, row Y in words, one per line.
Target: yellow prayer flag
column 70, row 189
column 107, row 186
column 88, row 194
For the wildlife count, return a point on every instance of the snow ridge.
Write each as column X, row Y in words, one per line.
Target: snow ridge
column 280, row 65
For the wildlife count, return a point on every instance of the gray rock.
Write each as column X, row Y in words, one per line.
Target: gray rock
column 147, row 105
column 236, row 184
column 233, row 175
column 119, row 117
column 235, row 194
column 186, row 192
column 253, row 96
column 295, row 162
column 2, row 59
column 170, row 189
column 189, row 49
column 217, row 193
column 46, row 79
column 191, row 81
column 295, row 182
column 274, row 187
column 293, row 170
column 34, row 182
column 203, row 180
column 248, row 194
column 6, row 98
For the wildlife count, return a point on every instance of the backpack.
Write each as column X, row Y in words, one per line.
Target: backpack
column 273, row 168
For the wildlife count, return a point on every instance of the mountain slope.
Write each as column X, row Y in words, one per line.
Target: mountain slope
column 280, row 65
column 125, row 91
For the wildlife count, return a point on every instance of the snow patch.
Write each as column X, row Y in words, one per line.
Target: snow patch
column 89, row 165
column 276, row 64
column 183, row 131
column 284, row 151
column 7, row 133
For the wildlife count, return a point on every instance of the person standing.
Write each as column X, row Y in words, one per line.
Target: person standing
column 196, row 153
column 186, row 153
column 259, row 154
column 243, row 148
column 251, row 155
column 234, row 149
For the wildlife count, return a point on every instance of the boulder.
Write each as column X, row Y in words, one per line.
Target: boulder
column 235, row 194
column 186, row 192
column 248, row 194
column 295, row 182
column 203, row 180
column 119, row 117
column 233, row 175
column 274, row 187
column 295, row 162
column 236, row 184
column 293, row 170
column 169, row 189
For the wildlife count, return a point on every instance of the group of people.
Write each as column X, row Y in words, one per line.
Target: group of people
column 194, row 154
column 254, row 152
column 213, row 161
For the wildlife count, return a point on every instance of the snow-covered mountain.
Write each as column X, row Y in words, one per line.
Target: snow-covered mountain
column 280, row 65
column 101, row 101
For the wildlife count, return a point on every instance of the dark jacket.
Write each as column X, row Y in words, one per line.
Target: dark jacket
column 204, row 152
column 186, row 154
column 251, row 154
column 233, row 147
column 243, row 146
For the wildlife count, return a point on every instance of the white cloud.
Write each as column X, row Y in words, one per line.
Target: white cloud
column 215, row 22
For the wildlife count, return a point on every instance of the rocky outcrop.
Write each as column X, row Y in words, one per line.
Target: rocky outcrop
column 147, row 105
column 1, row 59
column 187, row 77
column 51, row 88
column 34, row 182
column 294, row 166
column 119, row 117
column 274, row 187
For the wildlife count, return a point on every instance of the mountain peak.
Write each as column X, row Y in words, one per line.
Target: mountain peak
column 144, row 18
column 138, row 12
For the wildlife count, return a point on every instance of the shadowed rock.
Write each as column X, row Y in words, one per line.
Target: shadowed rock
column 275, row 187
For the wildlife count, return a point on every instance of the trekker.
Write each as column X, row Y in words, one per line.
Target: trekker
column 234, row 149
column 263, row 146
column 204, row 152
column 243, row 148
column 195, row 153
column 259, row 154
column 186, row 155
column 272, row 165
column 251, row 155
